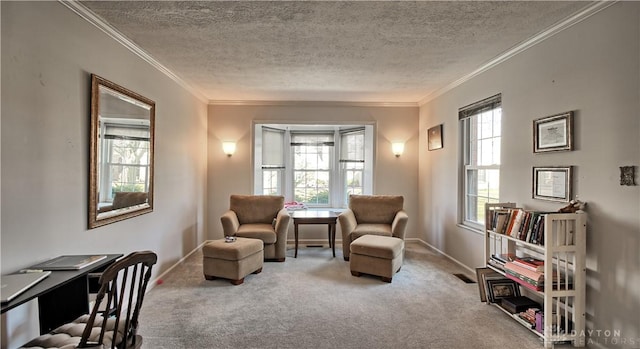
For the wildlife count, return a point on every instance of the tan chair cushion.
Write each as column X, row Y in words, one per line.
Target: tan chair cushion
column 264, row 232
column 232, row 251
column 379, row 209
column 375, row 229
column 256, row 208
column 68, row 335
column 384, row 247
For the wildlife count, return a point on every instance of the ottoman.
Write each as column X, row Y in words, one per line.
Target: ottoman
column 376, row 255
column 232, row 260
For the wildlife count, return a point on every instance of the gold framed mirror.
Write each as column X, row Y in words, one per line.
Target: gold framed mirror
column 121, row 154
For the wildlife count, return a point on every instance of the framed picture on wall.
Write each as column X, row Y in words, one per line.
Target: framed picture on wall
column 552, row 183
column 434, row 137
column 553, row 133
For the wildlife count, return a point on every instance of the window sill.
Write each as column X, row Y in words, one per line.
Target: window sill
column 478, row 231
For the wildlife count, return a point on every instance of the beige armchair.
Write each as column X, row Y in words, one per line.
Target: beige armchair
column 259, row 217
column 372, row 214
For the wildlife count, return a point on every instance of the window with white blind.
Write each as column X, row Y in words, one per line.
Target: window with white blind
column 312, row 167
column 272, row 161
column 318, row 165
column 481, row 129
column 352, row 161
column 125, row 157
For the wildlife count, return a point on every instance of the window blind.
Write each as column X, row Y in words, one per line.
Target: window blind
column 272, row 148
column 480, row 106
column 126, row 132
column 352, row 146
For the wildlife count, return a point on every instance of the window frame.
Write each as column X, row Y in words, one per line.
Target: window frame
column 338, row 198
column 467, row 115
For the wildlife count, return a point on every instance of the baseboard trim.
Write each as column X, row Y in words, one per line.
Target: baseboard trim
column 462, row 265
column 154, row 282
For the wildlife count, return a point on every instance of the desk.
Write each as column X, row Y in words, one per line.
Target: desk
column 316, row 217
column 62, row 296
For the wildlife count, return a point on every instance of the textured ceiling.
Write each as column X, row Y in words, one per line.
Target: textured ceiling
column 355, row 51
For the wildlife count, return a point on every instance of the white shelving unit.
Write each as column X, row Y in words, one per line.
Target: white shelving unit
column 563, row 253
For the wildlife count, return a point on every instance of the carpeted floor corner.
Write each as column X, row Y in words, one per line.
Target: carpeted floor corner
column 313, row 301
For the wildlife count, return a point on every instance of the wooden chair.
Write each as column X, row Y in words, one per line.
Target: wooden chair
column 124, row 284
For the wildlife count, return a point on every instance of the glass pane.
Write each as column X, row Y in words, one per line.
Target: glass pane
column 472, row 207
column 312, row 187
column 493, row 184
column 497, row 122
column 472, row 182
column 479, row 213
column 271, row 182
column 485, row 122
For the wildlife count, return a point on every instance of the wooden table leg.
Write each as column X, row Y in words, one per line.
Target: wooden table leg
column 295, row 230
column 332, row 228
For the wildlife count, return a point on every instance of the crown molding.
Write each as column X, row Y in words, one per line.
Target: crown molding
column 311, row 103
column 89, row 16
column 585, row 13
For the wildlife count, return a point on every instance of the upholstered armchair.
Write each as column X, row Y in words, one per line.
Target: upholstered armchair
column 259, row 217
column 372, row 214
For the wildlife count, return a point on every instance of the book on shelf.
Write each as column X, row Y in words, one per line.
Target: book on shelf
column 504, row 257
column 530, row 314
column 530, row 263
column 514, row 221
column 518, row 304
column 500, row 221
column 525, row 322
column 498, row 260
column 531, row 279
column 519, row 223
column 524, row 283
column 496, row 264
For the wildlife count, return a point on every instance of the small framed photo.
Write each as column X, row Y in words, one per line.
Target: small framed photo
column 501, row 288
column 434, row 137
column 482, row 275
column 553, row 133
column 552, row 183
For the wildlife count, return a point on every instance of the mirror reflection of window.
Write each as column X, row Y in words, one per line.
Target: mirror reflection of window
column 124, row 158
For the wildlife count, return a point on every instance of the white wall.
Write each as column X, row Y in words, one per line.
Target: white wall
column 48, row 54
column 592, row 68
column 233, row 175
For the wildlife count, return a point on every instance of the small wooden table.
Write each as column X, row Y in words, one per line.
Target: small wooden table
column 316, row 217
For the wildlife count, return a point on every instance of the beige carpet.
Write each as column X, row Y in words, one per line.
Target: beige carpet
column 313, row 302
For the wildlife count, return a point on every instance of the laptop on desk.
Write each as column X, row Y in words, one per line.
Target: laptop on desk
column 14, row 284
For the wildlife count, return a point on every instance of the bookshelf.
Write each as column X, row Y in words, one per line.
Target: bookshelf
column 561, row 244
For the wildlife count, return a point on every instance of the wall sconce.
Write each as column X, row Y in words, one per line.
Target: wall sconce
column 397, row 148
column 229, row 148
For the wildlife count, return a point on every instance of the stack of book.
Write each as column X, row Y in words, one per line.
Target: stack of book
column 520, row 224
column 527, row 271
column 528, row 317
column 499, row 260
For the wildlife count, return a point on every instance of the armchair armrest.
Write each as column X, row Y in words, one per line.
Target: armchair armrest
column 399, row 224
column 282, row 229
column 347, row 222
column 230, row 223
column 282, row 224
